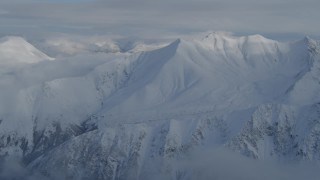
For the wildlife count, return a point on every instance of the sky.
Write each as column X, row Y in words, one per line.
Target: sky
column 277, row 19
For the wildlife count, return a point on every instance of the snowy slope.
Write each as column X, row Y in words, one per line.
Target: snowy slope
column 109, row 115
column 15, row 50
column 217, row 73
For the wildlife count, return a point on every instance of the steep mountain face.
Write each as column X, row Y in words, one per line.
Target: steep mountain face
column 132, row 116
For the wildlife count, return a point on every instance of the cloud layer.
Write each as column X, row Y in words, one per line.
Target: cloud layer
column 159, row 18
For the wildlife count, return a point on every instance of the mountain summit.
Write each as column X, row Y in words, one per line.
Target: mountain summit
column 15, row 50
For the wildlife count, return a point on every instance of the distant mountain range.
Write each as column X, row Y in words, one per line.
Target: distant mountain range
column 138, row 113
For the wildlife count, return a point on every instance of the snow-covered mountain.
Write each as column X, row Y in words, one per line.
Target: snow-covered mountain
column 15, row 50
column 70, row 46
column 138, row 115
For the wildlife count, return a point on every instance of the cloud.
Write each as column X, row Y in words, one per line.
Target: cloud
column 201, row 164
column 159, row 18
column 226, row 165
column 12, row 168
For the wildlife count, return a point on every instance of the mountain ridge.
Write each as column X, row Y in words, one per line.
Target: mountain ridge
column 247, row 94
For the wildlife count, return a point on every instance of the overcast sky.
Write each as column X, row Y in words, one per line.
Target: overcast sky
column 280, row 19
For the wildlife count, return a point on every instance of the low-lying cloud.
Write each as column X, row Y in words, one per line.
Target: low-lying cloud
column 222, row 164
column 13, row 169
column 217, row 164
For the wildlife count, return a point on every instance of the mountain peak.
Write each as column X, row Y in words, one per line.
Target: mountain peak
column 307, row 38
column 226, row 35
column 312, row 45
column 216, row 34
column 309, row 41
column 12, row 39
column 14, row 49
column 257, row 37
column 176, row 42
